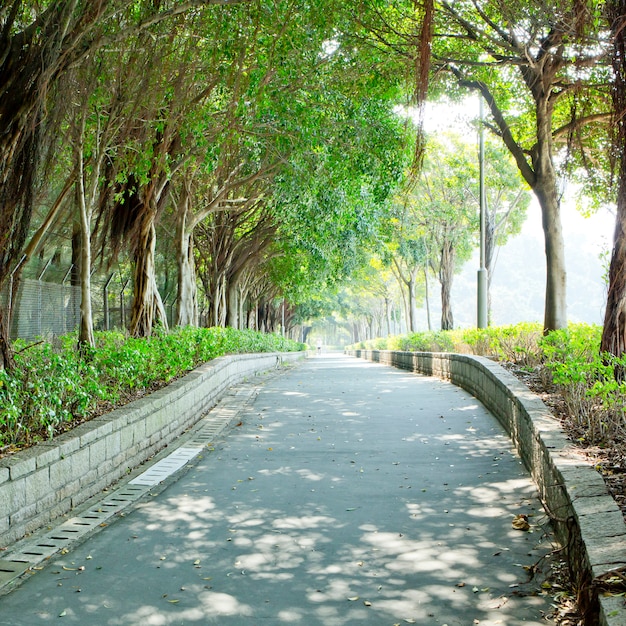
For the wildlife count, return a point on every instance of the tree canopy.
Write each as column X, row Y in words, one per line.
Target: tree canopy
column 248, row 156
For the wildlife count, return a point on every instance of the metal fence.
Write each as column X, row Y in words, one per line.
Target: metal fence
column 46, row 304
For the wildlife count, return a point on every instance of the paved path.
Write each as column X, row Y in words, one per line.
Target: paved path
column 350, row 494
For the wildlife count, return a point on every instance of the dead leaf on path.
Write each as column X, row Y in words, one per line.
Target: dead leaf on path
column 460, row 584
column 367, row 603
column 62, row 613
column 520, row 522
column 353, row 598
column 239, row 424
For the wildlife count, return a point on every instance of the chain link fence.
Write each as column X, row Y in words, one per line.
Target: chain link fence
column 47, row 304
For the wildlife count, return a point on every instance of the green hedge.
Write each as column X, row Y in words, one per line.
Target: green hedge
column 592, row 384
column 53, row 388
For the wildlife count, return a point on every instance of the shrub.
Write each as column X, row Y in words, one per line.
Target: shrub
column 52, row 387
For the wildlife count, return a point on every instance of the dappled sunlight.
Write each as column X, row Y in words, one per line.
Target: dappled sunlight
column 303, row 522
column 195, row 511
column 486, row 494
column 326, row 506
column 309, row 475
column 485, row 512
column 217, row 604
column 467, row 407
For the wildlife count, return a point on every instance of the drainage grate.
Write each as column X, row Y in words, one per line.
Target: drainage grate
column 31, row 552
column 166, row 467
column 10, row 570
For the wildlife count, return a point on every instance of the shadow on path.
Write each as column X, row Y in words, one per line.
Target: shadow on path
column 351, row 493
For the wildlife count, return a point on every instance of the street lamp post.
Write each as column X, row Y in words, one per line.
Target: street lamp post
column 482, row 272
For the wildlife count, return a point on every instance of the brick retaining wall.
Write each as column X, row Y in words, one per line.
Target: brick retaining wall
column 586, row 518
column 43, row 482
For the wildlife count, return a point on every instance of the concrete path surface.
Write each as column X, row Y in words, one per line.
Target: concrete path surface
column 345, row 493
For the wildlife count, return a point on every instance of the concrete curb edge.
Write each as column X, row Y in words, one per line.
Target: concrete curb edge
column 586, row 519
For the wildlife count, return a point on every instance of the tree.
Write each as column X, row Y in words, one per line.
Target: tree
column 614, row 330
column 436, row 221
column 40, row 43
column 539, row 69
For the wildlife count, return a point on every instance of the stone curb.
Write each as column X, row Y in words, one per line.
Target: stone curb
column 586, row 519
column 42, row 483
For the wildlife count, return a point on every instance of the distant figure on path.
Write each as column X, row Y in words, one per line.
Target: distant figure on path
column 319, row 346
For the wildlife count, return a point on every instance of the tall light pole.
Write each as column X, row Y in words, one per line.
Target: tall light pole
column 482, row 272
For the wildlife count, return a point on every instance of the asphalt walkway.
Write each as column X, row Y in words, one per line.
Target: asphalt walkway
column 344, row 493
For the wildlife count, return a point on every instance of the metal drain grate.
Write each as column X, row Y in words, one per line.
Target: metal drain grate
column 166, row 467
column 34, row 551
column 10, row 570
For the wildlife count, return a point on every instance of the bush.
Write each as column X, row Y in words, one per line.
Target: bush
column 52, row 387
column 570, row 359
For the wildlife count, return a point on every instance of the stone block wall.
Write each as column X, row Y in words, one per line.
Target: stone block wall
column 42, row 483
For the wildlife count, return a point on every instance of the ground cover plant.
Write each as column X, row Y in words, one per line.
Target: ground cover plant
column 53, row 388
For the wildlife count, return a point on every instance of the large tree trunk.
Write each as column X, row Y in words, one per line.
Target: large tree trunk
column 233, row 304
column 545, row 188
column 428, row 321
column 614, row 331
column 6, row 353
column 147, row 308
column 446, row 274
column 412, row 309
column 555, row 315
column 86, row 338
column 187, row 301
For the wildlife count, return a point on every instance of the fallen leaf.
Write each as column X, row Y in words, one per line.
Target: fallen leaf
column 353, row 598
column 367, row 603
column 460, row 584
column 520, row 522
